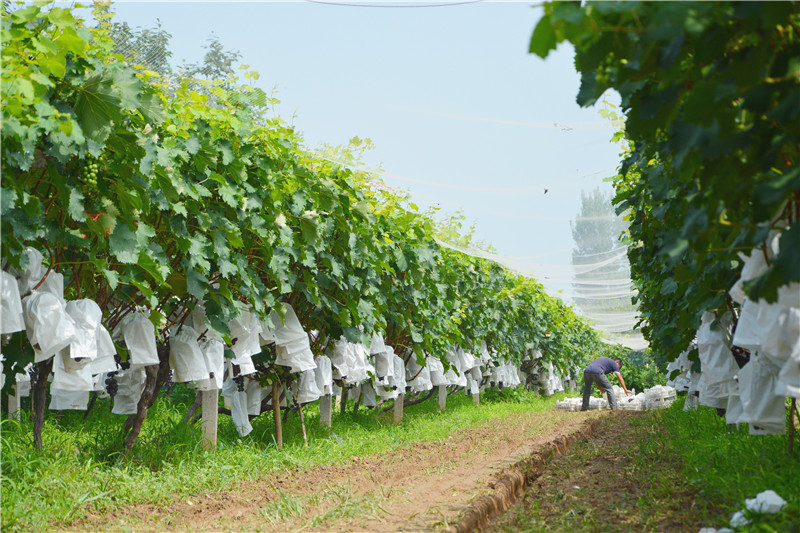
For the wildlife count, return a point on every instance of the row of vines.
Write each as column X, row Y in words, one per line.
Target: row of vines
column 158, row 194
column 709, row 182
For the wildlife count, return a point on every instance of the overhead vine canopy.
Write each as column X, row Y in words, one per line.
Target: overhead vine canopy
column 711, row 94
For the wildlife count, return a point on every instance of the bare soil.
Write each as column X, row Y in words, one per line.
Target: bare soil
column 457, row 484
column 424, row 486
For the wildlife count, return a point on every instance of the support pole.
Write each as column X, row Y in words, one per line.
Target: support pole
column 14, row 406
column 398, row 408
column 210, row 418
column 276, row 413
column 442, row 397
column 325, row 410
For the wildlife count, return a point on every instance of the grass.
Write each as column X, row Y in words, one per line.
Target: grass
column 668, row 470
column 728, row 466
column 81, row 470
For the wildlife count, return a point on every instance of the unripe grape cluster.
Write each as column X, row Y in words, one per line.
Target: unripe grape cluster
column 90, row 170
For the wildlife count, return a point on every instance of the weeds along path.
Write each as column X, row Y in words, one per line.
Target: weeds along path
column 424, row 486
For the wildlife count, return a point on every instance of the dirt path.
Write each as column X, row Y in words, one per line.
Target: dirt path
column 423, row 487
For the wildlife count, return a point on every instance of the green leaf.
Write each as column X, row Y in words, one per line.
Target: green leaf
column 543, row 39
column 97, row 107
column 151, row 265
column 112, row 277
column 70, row 41
column 143, row 234
column 192, row 145
column 150, row 107
column 127, row 88
column 196, row 283
column 123, row 244
column 8, row 199
column 229, row 195
column 76, row 210
column 61, row 17
column 226, row 151
column 26, row 14
column 178, row 284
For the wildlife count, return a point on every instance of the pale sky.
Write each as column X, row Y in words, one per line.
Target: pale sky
column 462, row 116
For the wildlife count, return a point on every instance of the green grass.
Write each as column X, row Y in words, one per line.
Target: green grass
column 81, row 469
column 728, row 466
column 676, row 471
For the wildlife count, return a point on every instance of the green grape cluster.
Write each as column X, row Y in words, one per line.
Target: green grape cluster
column 90, row 172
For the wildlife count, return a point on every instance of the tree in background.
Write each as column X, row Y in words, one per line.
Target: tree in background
column 218, row 63
column 148, row 47
column 602, row 273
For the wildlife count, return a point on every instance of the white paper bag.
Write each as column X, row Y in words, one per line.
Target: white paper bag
column 139, row 335
column 78, row 378
column 293, row 348
column 49, row 328
column 11, row 318
column 324, row 375
column 436, row 372
column 255, row 394
column 368, row 395
column 238, row 403
column 418, row 377
column 399, row 378
column 245, row 329
column 130, row 385
column 762, row 408
column 185, row 357
column 782, row 335
column 466, row 359
column 384, row 365
column 105, row 352
column 87, row 316
column 62, row 400
column 307, row 390
column 33, row 273
column 214, row 356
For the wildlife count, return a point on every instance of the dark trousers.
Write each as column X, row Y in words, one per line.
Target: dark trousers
column 602, row 381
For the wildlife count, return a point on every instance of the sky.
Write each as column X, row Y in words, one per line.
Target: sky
column 461, row 115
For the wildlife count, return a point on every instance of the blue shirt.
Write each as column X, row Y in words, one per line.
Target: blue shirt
column 602, row 365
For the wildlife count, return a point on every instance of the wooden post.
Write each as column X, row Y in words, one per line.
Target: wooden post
column 398, row 408
column 476, row 398
column 14, row 406
column 210, row 417
column 442, row 397
column 276, row 413
column 325, row 410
